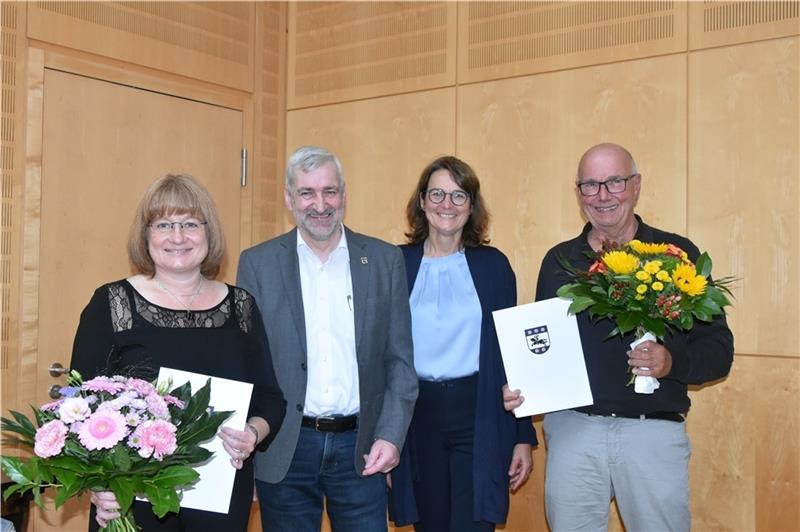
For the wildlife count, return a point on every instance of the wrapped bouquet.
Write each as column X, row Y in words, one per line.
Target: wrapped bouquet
column 647, row 288
column 118, row 434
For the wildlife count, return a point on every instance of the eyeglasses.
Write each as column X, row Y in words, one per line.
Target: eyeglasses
column 164, row 227
column 457, row 197
column 614, row 185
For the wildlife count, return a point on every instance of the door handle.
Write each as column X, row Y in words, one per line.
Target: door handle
column 56, row 369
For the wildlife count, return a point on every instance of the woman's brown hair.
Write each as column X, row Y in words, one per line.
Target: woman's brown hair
column 477, row 226
column 176, row 194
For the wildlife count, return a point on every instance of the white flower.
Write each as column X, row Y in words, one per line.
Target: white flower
column 74, row 409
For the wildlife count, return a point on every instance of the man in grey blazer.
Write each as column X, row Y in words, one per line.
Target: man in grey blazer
column 335, row 308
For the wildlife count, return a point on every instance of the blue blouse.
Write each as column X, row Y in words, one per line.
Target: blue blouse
column 445, row 319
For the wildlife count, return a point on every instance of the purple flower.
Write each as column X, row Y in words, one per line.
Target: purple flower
column 50, row 439
column 69, row 391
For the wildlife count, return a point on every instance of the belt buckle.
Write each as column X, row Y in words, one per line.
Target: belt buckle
column 323, row 419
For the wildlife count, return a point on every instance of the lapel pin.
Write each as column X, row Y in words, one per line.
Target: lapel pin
column 364, row 260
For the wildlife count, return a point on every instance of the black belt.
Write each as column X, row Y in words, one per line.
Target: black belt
column 330, row 423
column 668, row 416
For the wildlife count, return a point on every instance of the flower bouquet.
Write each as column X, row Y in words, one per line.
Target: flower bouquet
column 646, row 287
column 118, row 434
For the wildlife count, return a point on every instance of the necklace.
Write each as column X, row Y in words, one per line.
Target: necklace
column 176, row 298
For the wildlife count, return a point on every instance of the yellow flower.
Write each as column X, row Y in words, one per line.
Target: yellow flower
column 687, row 280
column 647, row 248
column 621, row 262
column 638, row 297
column 652, row 266
column 642, row 288
column 662, row 275
column 658, row 286
column 643, row 276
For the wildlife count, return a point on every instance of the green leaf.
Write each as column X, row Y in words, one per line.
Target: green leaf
column 579, row 304
column 162, row 500
column 123, row 488
column 202, row 429
column 121, row 458
column 178, row 475
column 197, row 404
column 703, row 265
column 627, row 321
column 15, row 469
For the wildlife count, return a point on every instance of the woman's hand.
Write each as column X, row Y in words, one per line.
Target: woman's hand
column 107, row 507
column 511, row 398
column 521, row 466
column 240, row 444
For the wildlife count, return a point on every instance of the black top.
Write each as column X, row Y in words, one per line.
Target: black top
column 701, row 355
column 120, row 332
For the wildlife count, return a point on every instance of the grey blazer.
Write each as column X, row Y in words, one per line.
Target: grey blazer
column 386, row 375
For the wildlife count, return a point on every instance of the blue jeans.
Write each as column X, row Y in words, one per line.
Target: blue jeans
column 644, row 464
column 324, row 467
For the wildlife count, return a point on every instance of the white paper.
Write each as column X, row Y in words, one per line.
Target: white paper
column 645, row 383
column 212, row 492
column 543, row 356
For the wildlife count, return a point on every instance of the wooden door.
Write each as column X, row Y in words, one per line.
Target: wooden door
column 102, row 145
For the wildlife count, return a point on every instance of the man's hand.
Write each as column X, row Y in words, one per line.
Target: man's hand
column 650, row 359
column 382, row 458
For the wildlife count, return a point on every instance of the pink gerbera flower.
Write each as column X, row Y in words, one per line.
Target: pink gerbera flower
column 143, row 388
column 103, row 384
column 155, row 438
column 103, row 430
column 172, row 400
column 50, row 439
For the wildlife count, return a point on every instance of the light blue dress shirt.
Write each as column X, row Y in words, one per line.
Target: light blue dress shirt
column 445, row 319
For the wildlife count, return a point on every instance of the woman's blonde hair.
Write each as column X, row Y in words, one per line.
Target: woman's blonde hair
column 176, row 194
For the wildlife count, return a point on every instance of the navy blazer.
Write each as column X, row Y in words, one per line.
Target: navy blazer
column 496, row 431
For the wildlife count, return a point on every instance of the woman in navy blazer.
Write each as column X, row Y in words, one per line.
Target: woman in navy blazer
column 463, row 451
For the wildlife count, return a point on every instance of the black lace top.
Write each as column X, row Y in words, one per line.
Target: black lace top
column 121, row 332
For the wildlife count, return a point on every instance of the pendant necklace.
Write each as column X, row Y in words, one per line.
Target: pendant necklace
column 176, row 298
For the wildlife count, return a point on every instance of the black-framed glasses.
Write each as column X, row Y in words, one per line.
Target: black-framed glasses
column 457, row 197
column 164, row 227
column 614, row 185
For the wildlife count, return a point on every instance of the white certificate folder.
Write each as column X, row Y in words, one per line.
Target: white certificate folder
column 543, row 356
column 212, row 492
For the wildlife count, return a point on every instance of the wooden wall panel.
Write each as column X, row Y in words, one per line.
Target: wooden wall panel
column 210, row 41
column 342, row 51
column 524, row 137
column 719, row 23
column 745, row 431
column 13, row 53
column 744, row 168
column 504, row 39
column 383, row 145
column 270, row 118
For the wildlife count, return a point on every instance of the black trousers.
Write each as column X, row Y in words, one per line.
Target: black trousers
column 444, row 426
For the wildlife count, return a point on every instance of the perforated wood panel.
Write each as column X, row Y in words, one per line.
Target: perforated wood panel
column 502, row 39
column 211, row 41
column 348, row 50
column 12, row 167
column 720, row 23
column 270, row 101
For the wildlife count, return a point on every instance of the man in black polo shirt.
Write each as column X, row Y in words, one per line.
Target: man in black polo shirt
column 626, row 445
